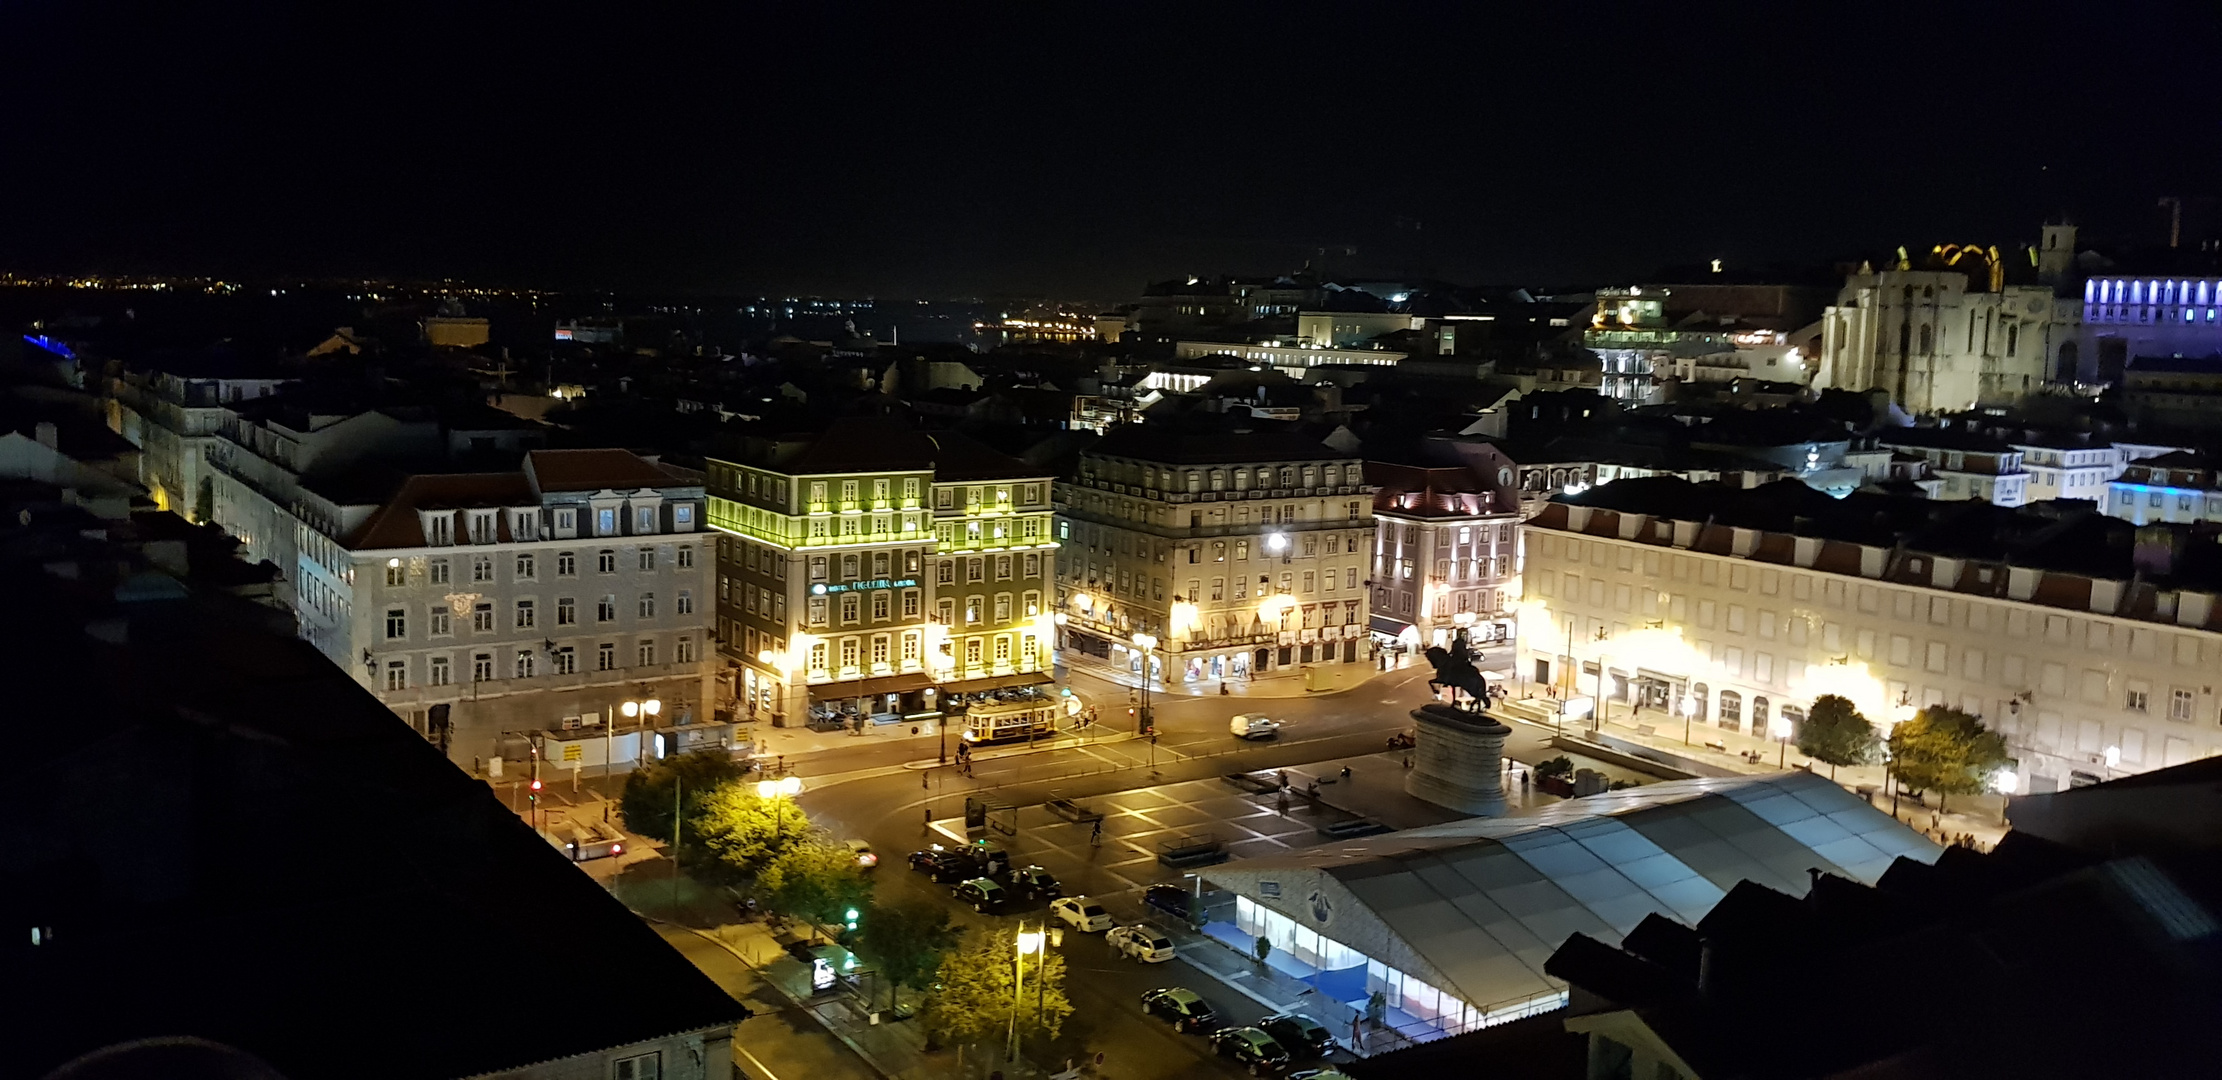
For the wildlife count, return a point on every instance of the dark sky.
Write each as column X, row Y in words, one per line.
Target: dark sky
column 1078, row 150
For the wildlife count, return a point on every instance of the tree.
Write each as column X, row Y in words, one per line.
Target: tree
column 647, row 802
column 736, row 833
column 905, row 942
column 1835, row 733
column 1946, row 751
column 814, row 880
column 974, row 998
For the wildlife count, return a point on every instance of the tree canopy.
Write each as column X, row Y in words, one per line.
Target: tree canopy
column 1946, row 751
column 737, row 833
column 905, row 941
column 647, row 803
column 973, row 1000
column 814, row 879
column 1837, row 734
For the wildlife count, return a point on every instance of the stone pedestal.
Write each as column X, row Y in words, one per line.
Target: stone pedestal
column 1457, row 762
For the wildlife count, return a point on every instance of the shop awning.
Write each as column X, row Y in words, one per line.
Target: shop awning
column 885, row 684
column 995, row 682
column 1388, row 627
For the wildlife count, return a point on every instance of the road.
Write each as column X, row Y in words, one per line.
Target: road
column 891, row 812
column 779, row 1042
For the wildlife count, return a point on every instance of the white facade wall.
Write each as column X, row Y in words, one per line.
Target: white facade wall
column 2070, row 472
column 1931, row 343
column 1443, row 574
column 2064, row 686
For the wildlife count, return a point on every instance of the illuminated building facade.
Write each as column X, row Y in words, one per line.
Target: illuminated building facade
column 1737, row 609
column 2125, row 319
column 871, row 569
column 1946, row 338
column 1445, row 551
column 1241, row 552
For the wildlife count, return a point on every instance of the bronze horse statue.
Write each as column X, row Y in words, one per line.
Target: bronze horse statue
column 1454, row 667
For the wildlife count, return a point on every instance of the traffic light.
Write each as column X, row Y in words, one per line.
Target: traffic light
column 851, row 916
column 535, row 796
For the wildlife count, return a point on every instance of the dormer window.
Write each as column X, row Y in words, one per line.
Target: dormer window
column 644, row 520
column 524, row 525
column 605, row 522
column 440, row 529
column 482, row 527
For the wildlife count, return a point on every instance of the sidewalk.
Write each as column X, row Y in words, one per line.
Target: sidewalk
column 1974, row 815
column 1286, row 683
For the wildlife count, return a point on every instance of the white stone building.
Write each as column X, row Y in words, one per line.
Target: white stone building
column 1678, row 593
column 536, row 599
column 1940, row 340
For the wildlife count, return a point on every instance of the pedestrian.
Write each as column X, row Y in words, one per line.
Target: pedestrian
column 1523, row 781
column 1222, row 687
column 924, row 781
column 1096, row 837
column 1407, row 761
column 1346, row 772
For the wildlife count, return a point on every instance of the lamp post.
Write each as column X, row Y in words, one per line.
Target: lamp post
column 772, row 790
column 1029, row 941
column 1689, row 711
column 2007, row 781
column 1778, row 726
column 1148, row 644
column 631, row 709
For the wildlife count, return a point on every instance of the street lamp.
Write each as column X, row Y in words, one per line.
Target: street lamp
column 2007, row 781
column 1148, row 644
column 1029, row 943
column 771, row 790
column 631, row 709
column 1779, row 727
column 1689, row 711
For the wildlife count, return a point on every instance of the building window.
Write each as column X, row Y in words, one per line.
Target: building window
column 1033, row 604
column 2135, row 701
column 482, row 616
column 397, row 624
column 566, row 661
column 686, row 556
column 482, row 568
column 685, row 651
column 647, row 652
column 644, row 520
column 528, row 567
column 525, row 615
column 605, row 561
column 880, row 605
column 397, row 674
column 1002, row 607
column 945, row 572
column 975, row 570
column 848, row 653
column 439, row 572
column 605, row 656
column 817, row 568
column 818, row 656
column 850, row 609
column 971, row 610
column 817, row 611
column 1003, row 648
column 910, row 603
column 567, row 611
column 1002, row 568
column 605, row 609
column 647, row 605
column 685, row 603
column 441, row 676
column 682, row 515
column 879, row 649
column 524, row 664
column 438, row 620
column 482, row 667
column 567, row 564
column 647, row 558
column 396, row 575
column 972, row 652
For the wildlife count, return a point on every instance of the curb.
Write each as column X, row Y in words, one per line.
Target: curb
column 852, row 1044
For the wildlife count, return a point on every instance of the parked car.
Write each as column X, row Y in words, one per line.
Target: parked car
column 1141, row 942
column 943, row 866
column 1171, row 899
column 1251, row 1047
column 1253, row 726
column 982, row 893
column 1299, row 1034
column 864, row 856
column 1035, row 883
column 1081, row 914
column 1180, row 1005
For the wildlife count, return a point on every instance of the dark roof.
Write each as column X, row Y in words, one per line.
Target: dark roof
column 597, row 470
column 1197, row 445
column 248, row 848
column 396, row 524
column 958, row 456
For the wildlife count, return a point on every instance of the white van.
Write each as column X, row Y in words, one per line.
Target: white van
column 1252, row 726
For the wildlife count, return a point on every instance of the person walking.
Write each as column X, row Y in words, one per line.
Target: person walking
column 1095, row 839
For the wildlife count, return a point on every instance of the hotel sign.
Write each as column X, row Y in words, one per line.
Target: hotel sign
column 864, row 586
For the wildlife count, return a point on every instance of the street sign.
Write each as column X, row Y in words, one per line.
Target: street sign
column 573, row 752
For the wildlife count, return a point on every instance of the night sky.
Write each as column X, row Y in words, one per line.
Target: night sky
column 941, row 150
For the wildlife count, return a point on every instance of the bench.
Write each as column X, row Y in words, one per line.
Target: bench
column 1646, row 729
column 1197, row 849
column 1716, row 745
column 1262, row 785
column 1078, row 813
column 1344, row 830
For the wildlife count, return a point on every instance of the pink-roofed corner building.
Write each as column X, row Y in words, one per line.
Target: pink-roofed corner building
column 527, row 601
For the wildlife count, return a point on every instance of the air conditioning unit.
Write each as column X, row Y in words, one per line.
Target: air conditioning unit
column 570, row 722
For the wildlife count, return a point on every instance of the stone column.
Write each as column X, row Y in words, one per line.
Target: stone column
column 1458, row 761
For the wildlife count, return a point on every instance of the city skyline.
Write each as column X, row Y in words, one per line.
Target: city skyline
column 1067, row 154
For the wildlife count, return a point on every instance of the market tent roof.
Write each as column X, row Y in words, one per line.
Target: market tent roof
column 995, row 682
column 1475, row 907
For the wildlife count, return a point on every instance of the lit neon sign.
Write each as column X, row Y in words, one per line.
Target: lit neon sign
column 862, row 586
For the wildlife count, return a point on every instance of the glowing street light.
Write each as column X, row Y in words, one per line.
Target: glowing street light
column 2006, row 782
column 789, row 786
column 1029, row 943
column 1148, row 644
column 1276, row 542
column 1689, row 712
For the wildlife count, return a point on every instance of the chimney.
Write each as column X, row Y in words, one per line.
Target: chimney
column 48, row 435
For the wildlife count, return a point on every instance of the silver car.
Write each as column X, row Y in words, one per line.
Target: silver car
column 1141, row 942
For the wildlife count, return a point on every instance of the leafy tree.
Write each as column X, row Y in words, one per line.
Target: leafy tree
column 905, row 942
column 736, row 833
column 1558, row 766
column 647, row 802
column 1946, row 751
column 973, row 1000
column 1835, row 733
column 814, row 879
